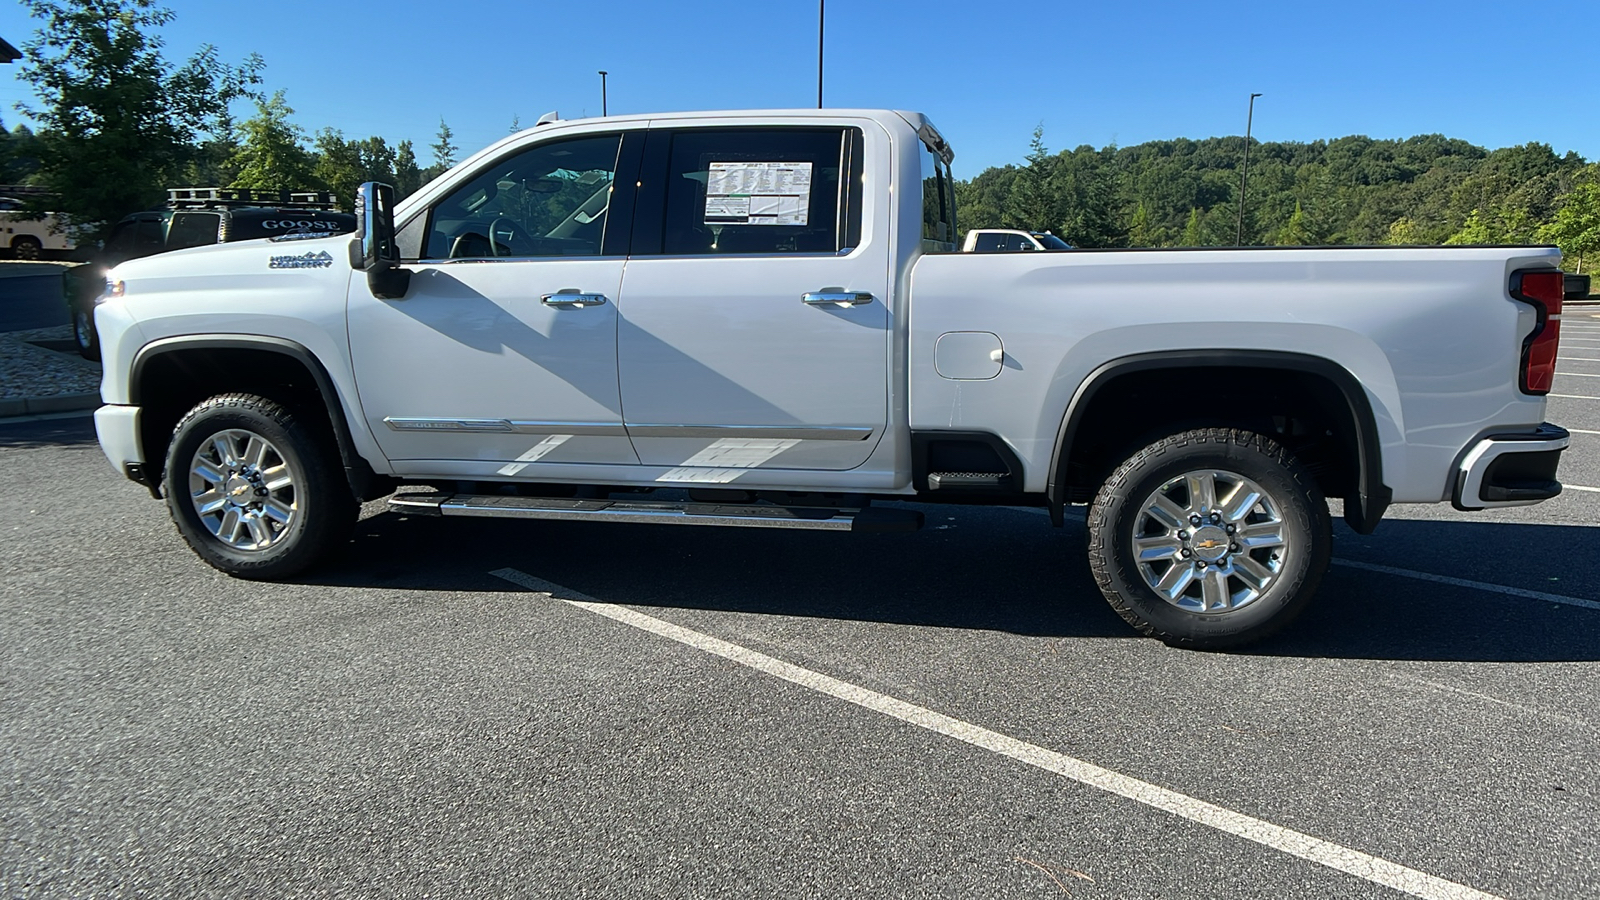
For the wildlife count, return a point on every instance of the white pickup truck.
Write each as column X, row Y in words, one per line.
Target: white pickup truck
column 761, row 319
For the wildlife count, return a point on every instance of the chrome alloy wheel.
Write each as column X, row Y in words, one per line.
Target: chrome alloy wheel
column 243, row 490
column 1210, row 541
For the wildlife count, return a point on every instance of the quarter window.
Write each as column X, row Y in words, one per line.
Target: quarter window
column 938, row 205
column 549, row 200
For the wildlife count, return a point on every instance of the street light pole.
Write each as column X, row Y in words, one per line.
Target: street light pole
column 1244, row 171
column 822, row 6
column 602, row 92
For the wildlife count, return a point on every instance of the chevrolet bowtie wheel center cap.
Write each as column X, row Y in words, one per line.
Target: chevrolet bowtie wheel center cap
column 1210, row 543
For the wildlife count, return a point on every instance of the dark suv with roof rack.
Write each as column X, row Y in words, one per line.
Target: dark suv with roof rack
column 195, row 217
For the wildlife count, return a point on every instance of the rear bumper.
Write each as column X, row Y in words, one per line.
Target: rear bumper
column 1511, row 469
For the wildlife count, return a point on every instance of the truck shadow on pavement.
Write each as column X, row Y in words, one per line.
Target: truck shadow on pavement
column 1007, row 570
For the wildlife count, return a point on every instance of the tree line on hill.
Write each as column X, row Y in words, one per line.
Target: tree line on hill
column 119, row 124
column 1428, row 189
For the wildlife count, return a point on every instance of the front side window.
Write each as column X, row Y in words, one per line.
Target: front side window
column 548, row 200
column 740, row 191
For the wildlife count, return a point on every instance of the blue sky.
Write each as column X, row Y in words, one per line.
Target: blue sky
column 987, row 73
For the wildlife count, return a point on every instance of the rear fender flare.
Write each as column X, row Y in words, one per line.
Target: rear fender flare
column 1362, row 511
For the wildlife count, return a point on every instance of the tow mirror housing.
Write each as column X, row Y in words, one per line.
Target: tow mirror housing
column 380, row 255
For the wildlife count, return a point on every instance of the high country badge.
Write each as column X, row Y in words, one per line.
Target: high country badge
column 303, row 261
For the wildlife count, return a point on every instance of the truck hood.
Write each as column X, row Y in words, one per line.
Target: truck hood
column 242, row 258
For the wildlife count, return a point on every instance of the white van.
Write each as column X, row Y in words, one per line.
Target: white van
column 28, row 238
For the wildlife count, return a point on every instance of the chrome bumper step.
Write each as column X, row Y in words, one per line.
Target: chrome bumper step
column 754, row 515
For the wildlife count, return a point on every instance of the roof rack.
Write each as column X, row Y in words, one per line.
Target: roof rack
column 198, row 197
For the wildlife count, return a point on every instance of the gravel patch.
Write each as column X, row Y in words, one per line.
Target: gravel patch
column 27, row 370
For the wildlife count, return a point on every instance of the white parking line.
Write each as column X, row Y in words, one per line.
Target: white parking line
column 1578, row 375
column 1582, row 431
column 1475, row 585
column 1295, row 843
column 1579, row 487
column 1573, row 396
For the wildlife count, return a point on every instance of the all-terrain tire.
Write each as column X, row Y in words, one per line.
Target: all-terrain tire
column 276, row 474
column 1267, row 561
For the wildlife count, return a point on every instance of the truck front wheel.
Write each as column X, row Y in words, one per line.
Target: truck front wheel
column 1211, row 539
column 254, row 490
column 83, row 332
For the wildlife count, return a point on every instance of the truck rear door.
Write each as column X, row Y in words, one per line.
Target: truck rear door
column 753, row 329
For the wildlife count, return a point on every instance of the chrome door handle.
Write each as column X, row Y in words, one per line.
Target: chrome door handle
column 572, row 298
column 841, row 298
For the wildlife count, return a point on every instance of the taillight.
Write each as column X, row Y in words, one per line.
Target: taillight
column 1543, row 290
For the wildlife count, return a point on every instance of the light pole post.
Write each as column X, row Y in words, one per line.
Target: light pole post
column 1244, row 170
column 602, row 92
column 822, row 7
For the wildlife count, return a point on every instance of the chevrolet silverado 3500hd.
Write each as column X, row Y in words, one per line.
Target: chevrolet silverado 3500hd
column 760, row 319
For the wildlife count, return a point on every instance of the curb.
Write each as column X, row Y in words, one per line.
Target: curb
column 33, row 406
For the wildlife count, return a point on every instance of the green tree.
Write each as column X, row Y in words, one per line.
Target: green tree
column 444, row 151
column 1294, row 233
column 1404, row 231
column 1032, row 204
column 19, row 155
column 271, row 155
column 1083, row 192
column 1193, row 231
column 1141, row 229
column 1473, row 231
column 407, row 176
column 377, row 160
column 119, row 122
column 1576, row 226
column 216, row 162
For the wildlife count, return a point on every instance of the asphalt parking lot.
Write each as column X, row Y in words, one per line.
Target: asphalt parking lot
column 462, row 708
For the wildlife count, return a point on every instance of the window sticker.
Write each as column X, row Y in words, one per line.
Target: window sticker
column 758, row 193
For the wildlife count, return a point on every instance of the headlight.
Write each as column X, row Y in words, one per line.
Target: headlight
column 114, row 288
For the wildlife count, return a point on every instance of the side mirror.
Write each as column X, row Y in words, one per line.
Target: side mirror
column 380, row 255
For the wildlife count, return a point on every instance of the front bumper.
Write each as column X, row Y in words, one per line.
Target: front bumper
column 117, row 428
column 1516, row 469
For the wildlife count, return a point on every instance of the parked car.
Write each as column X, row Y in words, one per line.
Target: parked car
column 30, row 238
column 194, row 217
column 1011, row 240
column 760, row 319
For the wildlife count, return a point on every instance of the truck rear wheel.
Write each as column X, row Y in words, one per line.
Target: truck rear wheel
column 1211, row 539
column 26, row 246
column 255, row 491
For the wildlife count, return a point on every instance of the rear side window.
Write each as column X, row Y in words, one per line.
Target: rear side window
column 989, row 242
column 192, row 229
column 761, row 191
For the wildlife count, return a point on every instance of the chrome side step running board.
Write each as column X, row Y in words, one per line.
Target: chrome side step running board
column 754, row 515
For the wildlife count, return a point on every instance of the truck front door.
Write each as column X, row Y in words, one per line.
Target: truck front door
column 503, row 351
column 755, row 324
